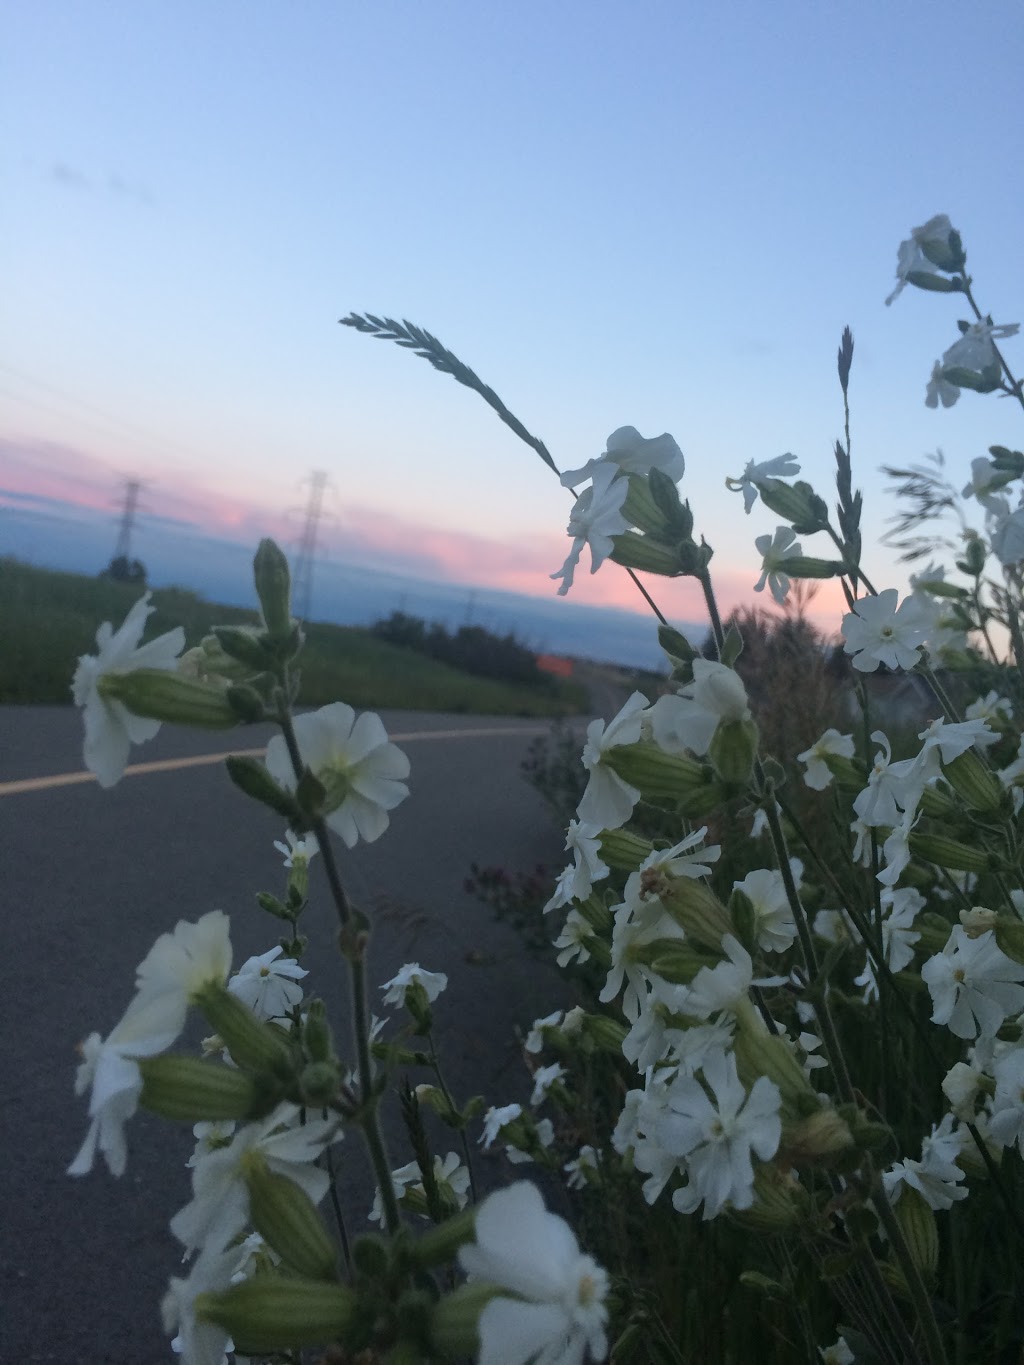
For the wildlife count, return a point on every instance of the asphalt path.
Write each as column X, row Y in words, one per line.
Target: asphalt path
column 91, row 877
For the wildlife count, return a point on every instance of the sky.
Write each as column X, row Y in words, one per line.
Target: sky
column 655, row 214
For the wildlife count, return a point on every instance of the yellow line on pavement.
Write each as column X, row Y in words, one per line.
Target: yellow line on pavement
column 169, row 765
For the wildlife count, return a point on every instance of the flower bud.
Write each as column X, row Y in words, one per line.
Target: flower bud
column 978, row 920
column 439, row 1245
column 160, row 694
column 645, row 553
column 316, row 1033
column 251, row 1042
column 270, row 1313
column 972, row 780
column 780, row 1203
column 179, row 1087
column 806, row 566
column 670, row 958
column 607, row 1034
column 1010, row 938
column 274, row 589
column 246, row 703
column 286, row 1218
column 245, row 644
column 698, row 911
column 453, row 1323
column 762, row 1053
column 917, row 1223
column 319, row 1083
column 642, row 510
column 251, row 776
column 924, row 279
column 818, row 1137
column 961, row 1086
column 733, row 749
column 623, row 850
column 949, row 853
column 658, row 775
column 796, row 503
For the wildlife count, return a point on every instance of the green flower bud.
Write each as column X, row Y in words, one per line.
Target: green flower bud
column 948, row 853
column 251, row 1042
column 159, row 694
column 439, row 1245
column 270, row 1313
column 607, row 1034
column 693, row 559
column 935, row 284
column 246, row 703
column 733, row 749
column 658, row 775
column 985, row 381
column 622, row 850
column 676, row 645
column 971, row 779
column 285, row 1217
column 818, row 1137
column 274, row 589
column 974, row 555
column 939, row 805
column 1010, row 937
column 796, row 503
column 246, row 644
column 780, row 1204
column 319, row 1083
column 251, row 776
column 646, row 553
column 760, row 1053
column 698, row 911
column 945, row 252
column 671, row 958
column 804, row 566
column 186, row 1088
column 371, row 1255
column 642, row 510
column 917, row 1222
column 453, row 1323
column 316, row 1033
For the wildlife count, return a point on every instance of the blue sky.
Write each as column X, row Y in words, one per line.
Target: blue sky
column 655, row 214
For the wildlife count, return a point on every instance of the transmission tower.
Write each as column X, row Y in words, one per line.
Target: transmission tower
column 303, row 578
column 129, row 507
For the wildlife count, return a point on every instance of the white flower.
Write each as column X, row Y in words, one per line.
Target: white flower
column 688, row 858
column 773, row 915
column 535, row 1038
column 219, row 1209
column 497, row 1119
column 986, row 481
column 573, row 941
column 110, row 728
column 630, row 453
column 898, row 936
column 577, row 880
column 754, row 476
column 595, row 518
column 974, row 986
column 109, row 1071
column 953, row 739
column 201, row 1343
column 558, row 1314
column 411, row 974
column 360, row 770
column 721, row 987
column 1007, row 1119
column 716, row 1139
column 961, row 1086
column 270, row 988
column 543, row 1079
column 893, row 789
column 181, row 963
column 1006, row 535
column 976, row 348
column 818, row 775
column 409, row 1180
column 876, row 632
column 939, row 389
column 912, row 257
column 297, row 850
column 774, row 551
column 608, row 800
column 993, row 708
column 838, row 1353
column 936, row 1176
column 577, row 1170
column 690, row 719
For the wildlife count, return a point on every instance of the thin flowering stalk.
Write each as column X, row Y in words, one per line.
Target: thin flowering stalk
column 1014, row 385
column 355, row 956
column 442, row 1085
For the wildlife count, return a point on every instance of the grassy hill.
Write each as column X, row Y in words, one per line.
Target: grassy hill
column 47, row 619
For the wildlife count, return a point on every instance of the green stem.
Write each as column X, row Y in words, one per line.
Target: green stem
column 936, row 1350
column 1015, row 384
column 435, row 1066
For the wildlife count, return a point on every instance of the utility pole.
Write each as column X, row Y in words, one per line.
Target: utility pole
column 303, row 579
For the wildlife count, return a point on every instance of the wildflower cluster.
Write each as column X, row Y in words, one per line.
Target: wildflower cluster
column 825, row 1050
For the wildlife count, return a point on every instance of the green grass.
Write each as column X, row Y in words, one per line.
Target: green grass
column 48, row 619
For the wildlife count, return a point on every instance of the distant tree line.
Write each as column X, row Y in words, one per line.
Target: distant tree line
column 471, row 648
